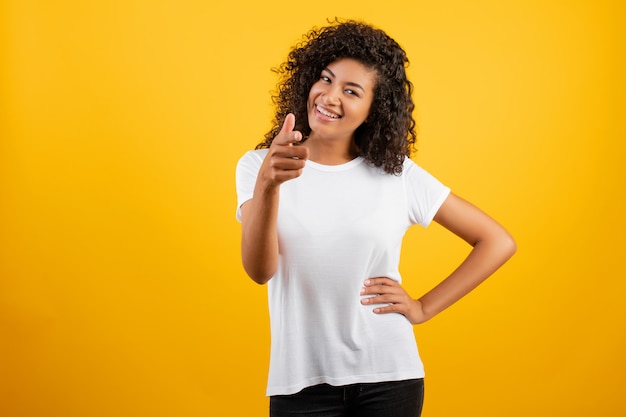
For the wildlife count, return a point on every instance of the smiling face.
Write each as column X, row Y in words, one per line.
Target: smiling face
column 339, row 102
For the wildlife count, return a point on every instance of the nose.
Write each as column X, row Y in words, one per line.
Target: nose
column 331, row 96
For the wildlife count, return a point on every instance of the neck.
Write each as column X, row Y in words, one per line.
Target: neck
column 330, row 152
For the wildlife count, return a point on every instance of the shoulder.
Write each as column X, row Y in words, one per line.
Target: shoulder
column 415, row 174
column 411, row 168
column 252, row 158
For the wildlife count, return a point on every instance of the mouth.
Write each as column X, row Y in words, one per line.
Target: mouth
column 326, row 112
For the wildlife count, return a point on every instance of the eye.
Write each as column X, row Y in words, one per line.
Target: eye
column 325, row 79
column 352, row 93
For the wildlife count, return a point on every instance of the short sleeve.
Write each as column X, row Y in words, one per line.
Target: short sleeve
column 425, row 193
column 245, row 176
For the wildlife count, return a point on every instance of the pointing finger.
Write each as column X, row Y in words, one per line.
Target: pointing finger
column 287, row 135
column 380, row 281
column 288, row 124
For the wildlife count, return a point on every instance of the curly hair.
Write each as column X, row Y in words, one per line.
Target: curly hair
column 389, row 134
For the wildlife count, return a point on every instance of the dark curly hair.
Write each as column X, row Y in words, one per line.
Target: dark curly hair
column 389, row 135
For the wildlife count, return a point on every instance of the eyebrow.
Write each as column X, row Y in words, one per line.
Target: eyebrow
column 350, row 83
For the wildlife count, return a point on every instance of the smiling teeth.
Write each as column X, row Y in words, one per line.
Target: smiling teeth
column 328, row 114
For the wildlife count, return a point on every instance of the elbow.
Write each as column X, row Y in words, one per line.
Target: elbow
column 502, row 245
column 259, row 267
column 508, row 245
column 258, row 275
column 260, row 279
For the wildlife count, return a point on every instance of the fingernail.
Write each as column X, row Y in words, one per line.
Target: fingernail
column 365, row 301
column 367, row 282
column 362, row 290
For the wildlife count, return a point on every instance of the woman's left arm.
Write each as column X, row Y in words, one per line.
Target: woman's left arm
column 491, row 245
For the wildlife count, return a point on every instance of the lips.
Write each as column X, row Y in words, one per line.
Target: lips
column 327, row 113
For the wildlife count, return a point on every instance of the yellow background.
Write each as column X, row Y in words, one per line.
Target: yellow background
column 121, row 290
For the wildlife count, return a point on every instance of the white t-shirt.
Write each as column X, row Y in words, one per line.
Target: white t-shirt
column 337, row 226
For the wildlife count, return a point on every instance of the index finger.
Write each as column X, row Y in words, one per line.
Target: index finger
column 288, row 124
column 287, row 135
column 380, row 281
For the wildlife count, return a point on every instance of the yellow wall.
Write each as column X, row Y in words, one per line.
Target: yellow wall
column 121, row 290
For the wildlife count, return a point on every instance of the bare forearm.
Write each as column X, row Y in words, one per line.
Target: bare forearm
column 259, row 243
column 484, row 259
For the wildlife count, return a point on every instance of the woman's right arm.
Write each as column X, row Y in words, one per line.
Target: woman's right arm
column 259, row 232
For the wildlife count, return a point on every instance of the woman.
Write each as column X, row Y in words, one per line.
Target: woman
column 324, row 203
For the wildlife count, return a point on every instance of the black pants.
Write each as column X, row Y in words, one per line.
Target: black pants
column 382, row 399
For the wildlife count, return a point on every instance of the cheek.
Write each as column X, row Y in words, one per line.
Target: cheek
column 361, row 111
column 313, row 93
column 367, row 109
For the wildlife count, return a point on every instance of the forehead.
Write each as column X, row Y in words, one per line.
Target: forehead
column 352, row 70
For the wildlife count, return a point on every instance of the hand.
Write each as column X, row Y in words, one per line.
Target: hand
column 390, row 292
column 285, row 161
